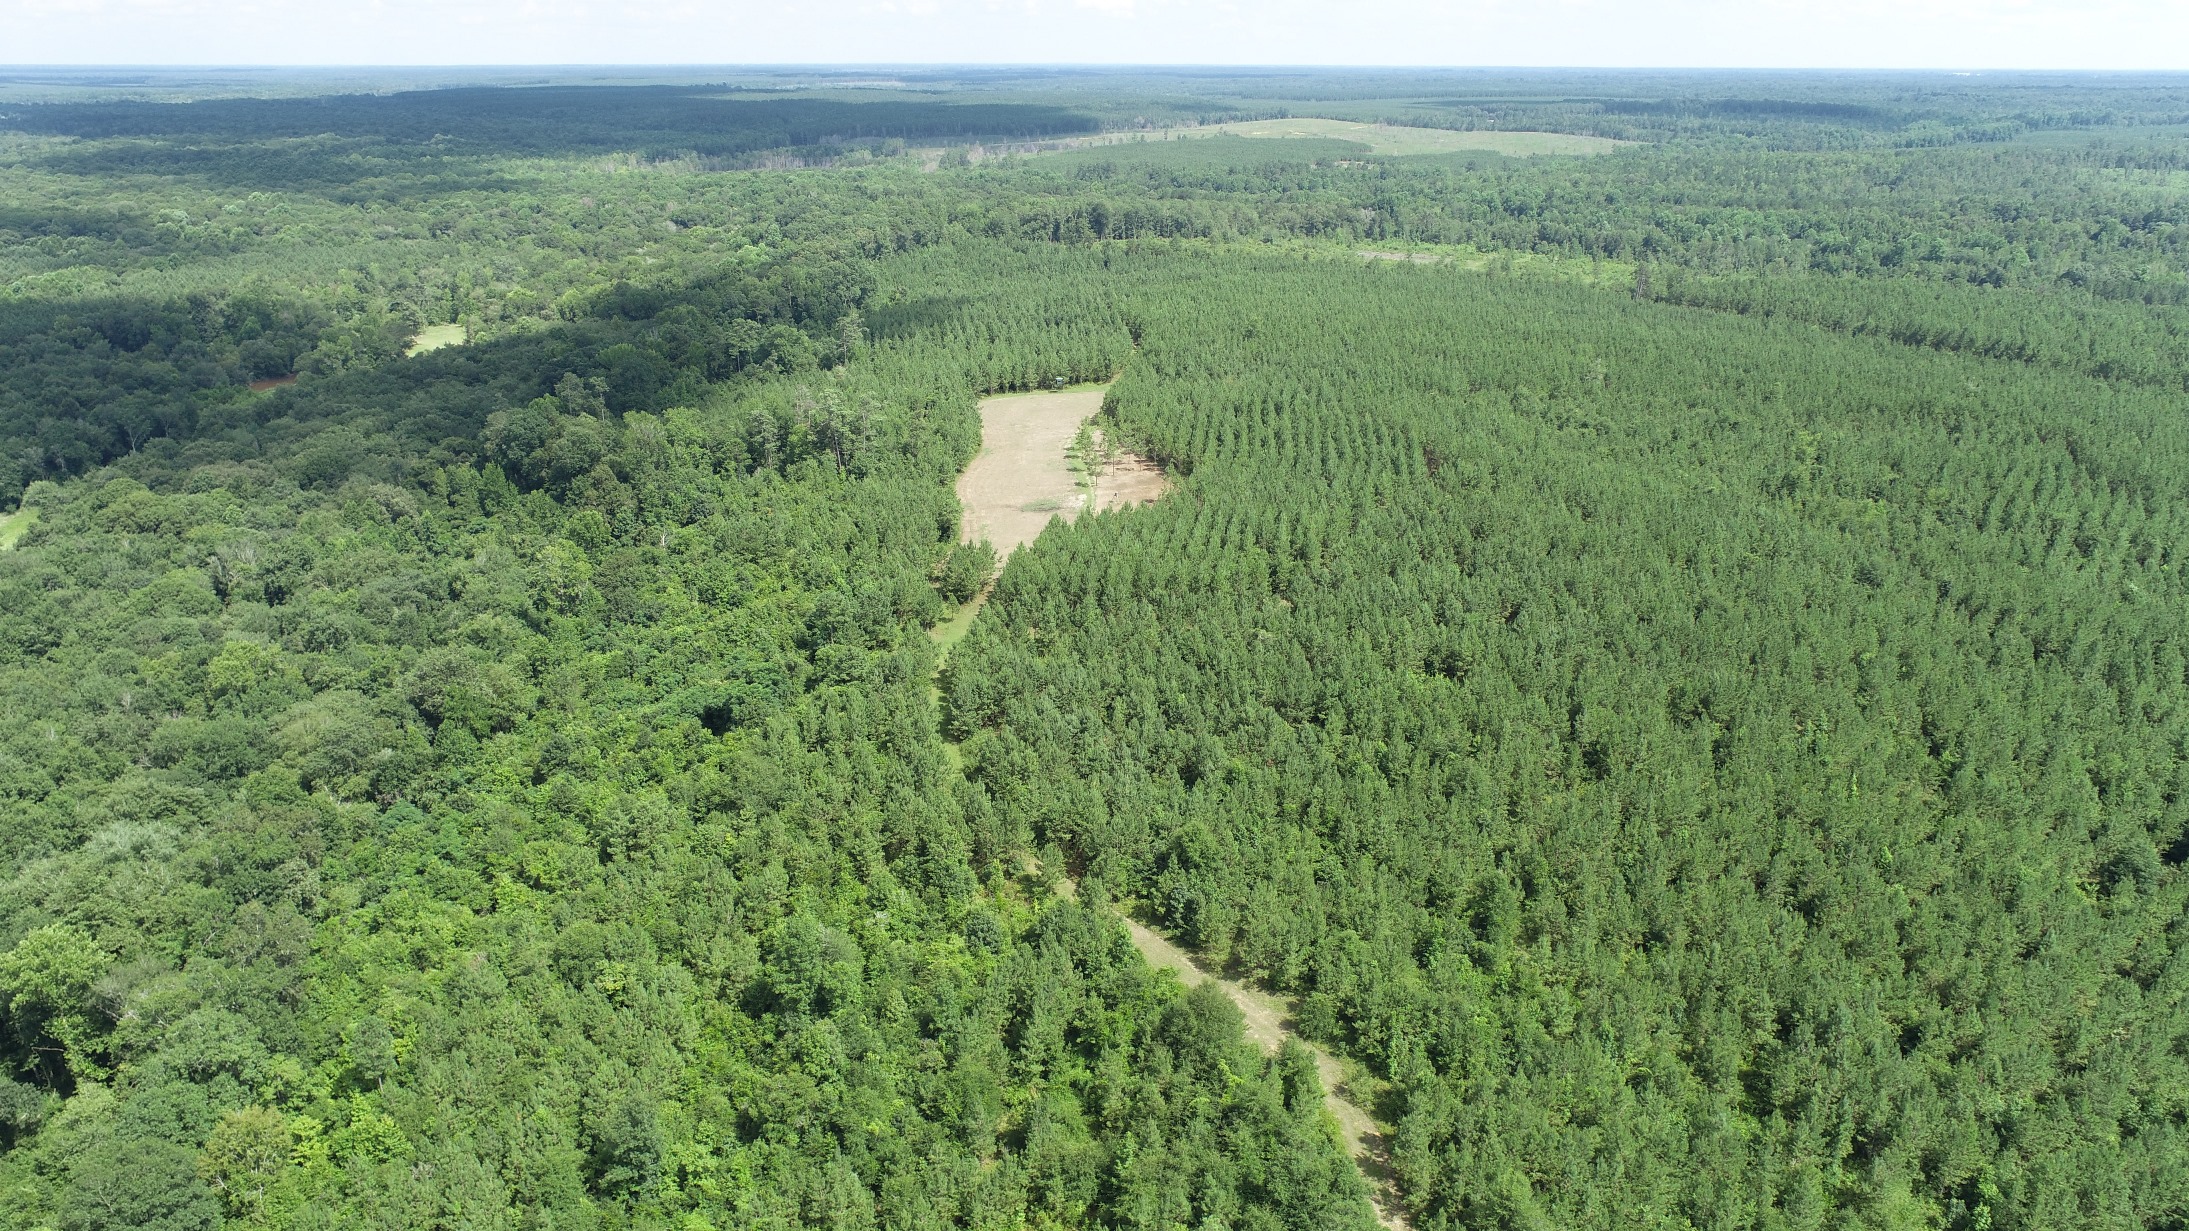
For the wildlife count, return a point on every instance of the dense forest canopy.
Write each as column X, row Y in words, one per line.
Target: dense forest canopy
column 551, row 119
column 1680, row 678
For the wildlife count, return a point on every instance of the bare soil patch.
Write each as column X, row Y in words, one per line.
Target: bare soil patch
column 1027, row 473
column 1023, row 475
column 1123, row 480
column 1387, row 139
column 1404, row 139
column 272, row 382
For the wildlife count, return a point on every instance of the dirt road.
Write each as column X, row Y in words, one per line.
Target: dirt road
column 1266, row 1016
column 1022, row 477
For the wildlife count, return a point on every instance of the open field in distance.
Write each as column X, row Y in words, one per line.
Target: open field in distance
column 1400, row 139
column 434, row 337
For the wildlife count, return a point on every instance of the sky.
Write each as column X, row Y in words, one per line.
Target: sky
column 1952, row 34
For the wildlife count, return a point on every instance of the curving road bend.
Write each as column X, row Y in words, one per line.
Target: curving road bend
column 1266, row 1018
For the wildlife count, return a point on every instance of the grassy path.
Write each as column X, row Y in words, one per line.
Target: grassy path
column 14, row 525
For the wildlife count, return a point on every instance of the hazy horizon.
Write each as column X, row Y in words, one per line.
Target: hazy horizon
column 1854, row 35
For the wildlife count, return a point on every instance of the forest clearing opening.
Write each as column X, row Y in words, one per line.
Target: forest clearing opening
column 1393, row 140
column 1022, row 475
column 1032, row 466
column 434, row 337
column 1040, row 457
column 14, row 525
column 1403, row 139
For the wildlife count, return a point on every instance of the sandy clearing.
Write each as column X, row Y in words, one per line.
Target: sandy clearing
column 1026, row 474
column 1124, row 480
column 1026, row 471
column 1385, row 139
column 1023, row 475
column 1021, row 478
column 1401, row 139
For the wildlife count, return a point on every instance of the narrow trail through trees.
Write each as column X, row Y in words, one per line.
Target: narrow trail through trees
column 1266, row 1024
column 1026, row 473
